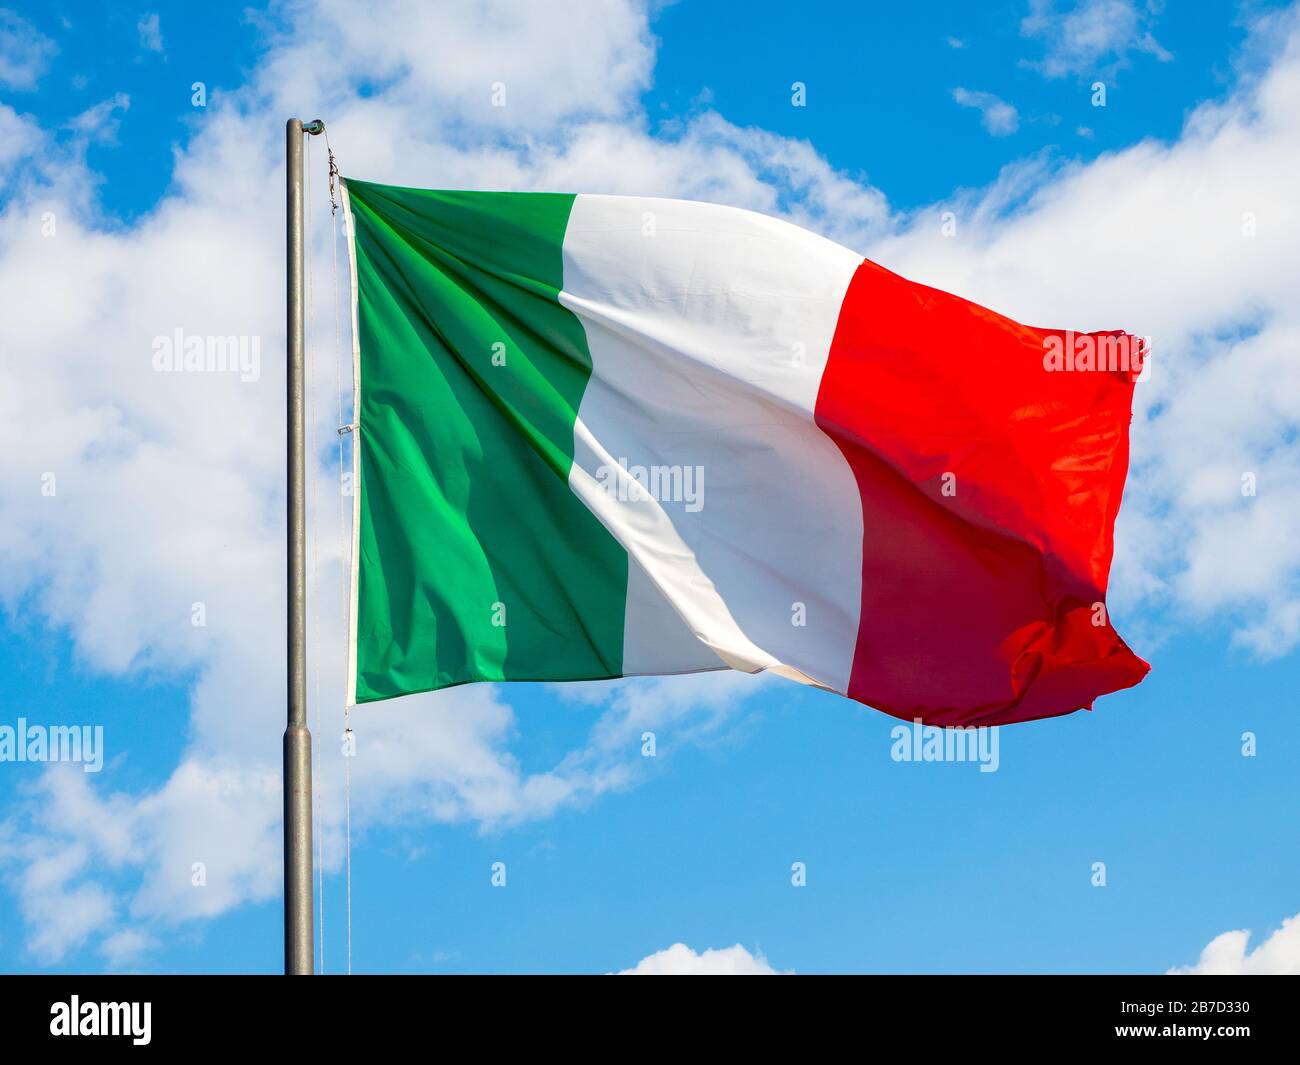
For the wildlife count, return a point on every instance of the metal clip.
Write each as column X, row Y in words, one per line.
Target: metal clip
column 334, row 173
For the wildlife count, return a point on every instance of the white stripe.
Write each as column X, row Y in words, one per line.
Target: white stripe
column 709, row 329
column 645, row 529
column 656, row 641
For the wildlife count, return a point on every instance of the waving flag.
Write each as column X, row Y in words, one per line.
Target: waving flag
column 603, row 436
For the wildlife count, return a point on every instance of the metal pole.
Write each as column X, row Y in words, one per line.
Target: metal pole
column 298, row 938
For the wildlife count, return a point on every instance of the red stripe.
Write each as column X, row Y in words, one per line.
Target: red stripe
column 977, row 606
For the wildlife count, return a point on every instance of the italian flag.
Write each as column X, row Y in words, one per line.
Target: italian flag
column 609, row 436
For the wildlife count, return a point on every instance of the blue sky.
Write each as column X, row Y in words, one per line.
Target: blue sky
column 910, row 867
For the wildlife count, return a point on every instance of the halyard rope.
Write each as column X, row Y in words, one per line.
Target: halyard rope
column 345, row 542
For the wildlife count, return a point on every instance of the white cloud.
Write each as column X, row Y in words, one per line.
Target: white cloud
column 25, row 52
column 20, row 139
column 997, row 116
column 1227, row 954
column 492, row 66
column 100, row 123
column 1092, row 37
column 680, row 960
column 150, row 29
column 123, row 948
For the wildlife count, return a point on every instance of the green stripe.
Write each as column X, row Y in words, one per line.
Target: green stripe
column 465, row 502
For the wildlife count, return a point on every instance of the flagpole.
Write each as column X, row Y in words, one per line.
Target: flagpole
column 298, row 938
